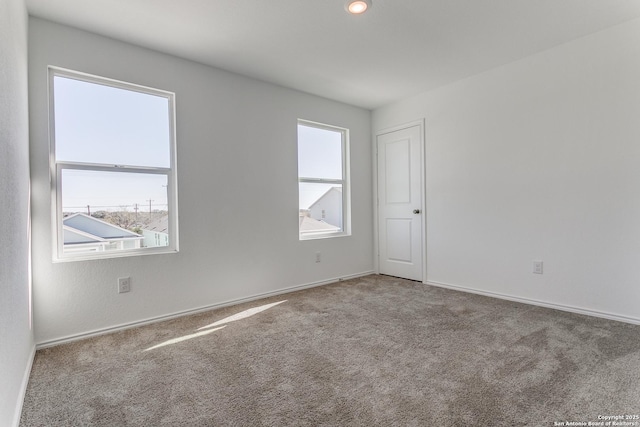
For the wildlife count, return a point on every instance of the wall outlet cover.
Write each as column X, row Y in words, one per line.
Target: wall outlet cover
column 537, row 267
column 124, row 284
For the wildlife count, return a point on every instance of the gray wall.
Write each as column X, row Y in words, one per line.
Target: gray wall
column 538, row 159
column 237, row 190
column 16, row 338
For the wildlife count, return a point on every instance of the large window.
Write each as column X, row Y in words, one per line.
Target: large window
column 323, row 180
column 112, row 166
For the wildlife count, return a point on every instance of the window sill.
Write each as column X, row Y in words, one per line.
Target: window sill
column 118, row 254
column 322, row 236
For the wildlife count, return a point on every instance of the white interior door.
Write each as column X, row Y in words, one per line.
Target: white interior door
column 400, row 203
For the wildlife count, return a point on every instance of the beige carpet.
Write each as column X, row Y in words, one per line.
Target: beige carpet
column 374, row 351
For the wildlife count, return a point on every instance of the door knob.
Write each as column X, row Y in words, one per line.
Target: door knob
column 416, row 211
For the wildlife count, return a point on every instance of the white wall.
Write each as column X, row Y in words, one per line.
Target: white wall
column 236, row 158
column 538, row 159
column 16, row 338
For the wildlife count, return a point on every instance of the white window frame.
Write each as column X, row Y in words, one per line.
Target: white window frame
column 345, row 182
column 57, row 167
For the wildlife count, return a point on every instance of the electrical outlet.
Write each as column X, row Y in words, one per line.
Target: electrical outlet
column 537, row 267
column 318, row 257
column 124, row 285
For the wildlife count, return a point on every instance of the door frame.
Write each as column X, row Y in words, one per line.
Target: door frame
column 423, row 185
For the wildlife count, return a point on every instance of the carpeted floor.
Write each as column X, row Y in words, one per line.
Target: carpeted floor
column 373, row 351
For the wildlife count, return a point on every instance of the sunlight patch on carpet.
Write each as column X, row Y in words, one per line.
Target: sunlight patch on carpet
column 243, row 314
column 184, row 338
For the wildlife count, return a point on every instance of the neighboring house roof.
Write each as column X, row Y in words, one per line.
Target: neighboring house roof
column 160, row 225
column 332, row 189
column 308, row 224
column 82, row 228
column 74, row 236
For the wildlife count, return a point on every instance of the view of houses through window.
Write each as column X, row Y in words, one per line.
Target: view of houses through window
column 114, row 166
column 322, row 172
column 132, row 213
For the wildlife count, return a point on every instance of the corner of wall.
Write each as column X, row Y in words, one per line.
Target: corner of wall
column 16, row 334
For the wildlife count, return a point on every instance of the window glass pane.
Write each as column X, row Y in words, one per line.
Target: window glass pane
column 105, row 211
column 319, row 153
column 96, row 123
column 320, row 208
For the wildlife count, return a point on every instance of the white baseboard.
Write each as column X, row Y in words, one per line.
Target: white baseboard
column 23, row 388
column 96, row 332
column 529, row 301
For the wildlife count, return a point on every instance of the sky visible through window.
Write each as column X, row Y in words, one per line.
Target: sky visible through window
column 102, row 124
column 92, row 191
column 319, row 156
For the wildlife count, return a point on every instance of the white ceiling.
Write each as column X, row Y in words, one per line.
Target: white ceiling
column 398, row 48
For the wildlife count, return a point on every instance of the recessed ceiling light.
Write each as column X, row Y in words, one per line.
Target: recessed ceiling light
column 357, row 7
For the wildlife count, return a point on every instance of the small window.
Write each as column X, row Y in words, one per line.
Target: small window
column 113, row 167
column 323, row 186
